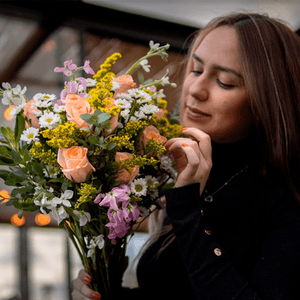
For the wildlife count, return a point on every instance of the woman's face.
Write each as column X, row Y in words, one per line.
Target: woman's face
column 213, row 98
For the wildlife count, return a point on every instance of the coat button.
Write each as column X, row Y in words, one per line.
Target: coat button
column 202, row 212
column 217, row 251
column 208, row 231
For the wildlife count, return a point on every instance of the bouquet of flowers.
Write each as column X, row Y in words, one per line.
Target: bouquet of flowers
column 94, row 158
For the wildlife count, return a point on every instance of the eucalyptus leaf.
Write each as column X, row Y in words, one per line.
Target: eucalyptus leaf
column 93, row 140
column 141, row 77
column 103, row 117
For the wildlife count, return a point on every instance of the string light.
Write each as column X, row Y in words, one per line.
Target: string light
column 4, row 194
column 16, row 221
column 42, row 220
column 7, row 113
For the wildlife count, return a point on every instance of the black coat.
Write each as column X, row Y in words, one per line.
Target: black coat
column 243, row 245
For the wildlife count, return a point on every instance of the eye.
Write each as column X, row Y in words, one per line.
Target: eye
column 197, row 72
column 224, row 85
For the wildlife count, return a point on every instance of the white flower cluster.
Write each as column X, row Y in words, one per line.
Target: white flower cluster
column 96, row 241
column 137, row 100
column 56, row 206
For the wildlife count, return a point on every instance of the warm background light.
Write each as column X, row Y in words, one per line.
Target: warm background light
column 42, row 220
column 4, row 194
column 7, row 113
column 16, row 221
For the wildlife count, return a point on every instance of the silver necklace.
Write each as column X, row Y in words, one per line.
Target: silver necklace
column 210, row 197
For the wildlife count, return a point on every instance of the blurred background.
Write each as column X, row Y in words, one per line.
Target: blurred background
column 36, row 259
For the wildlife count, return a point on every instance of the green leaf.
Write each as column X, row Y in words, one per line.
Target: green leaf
column 111, row 146
column 141, row 77
column 93, row 140
column 19, row 126
column 20, row 214
column 103, row 117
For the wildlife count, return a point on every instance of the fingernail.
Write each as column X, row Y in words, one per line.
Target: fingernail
column 184, row 145
column 96, row 296
column 183, row 128
column 87, row 279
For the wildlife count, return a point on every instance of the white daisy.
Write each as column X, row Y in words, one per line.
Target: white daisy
column 90, row 82
column 49, row 120
column 44, row 97
column 116, row 85
column 124, row 96
column 125, row 114
column 140, row 115
column 30, row 135
column 151, row 181
column 139, row 187
column 123, row 103
column 149, row 109
column 40, row 103
column 58, row 108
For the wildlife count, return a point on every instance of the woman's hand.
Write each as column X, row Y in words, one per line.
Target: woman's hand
column 81, row 289
column 192, row 156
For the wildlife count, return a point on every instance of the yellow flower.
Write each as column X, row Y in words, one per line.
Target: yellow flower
column 88, row 192
column 63, row 136
column 47, row 157
column 106, row 66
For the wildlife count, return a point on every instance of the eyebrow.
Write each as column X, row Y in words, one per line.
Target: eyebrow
column 224, row 69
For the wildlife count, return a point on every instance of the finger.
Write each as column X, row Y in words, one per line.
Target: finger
column 193, row 161
column 81, row 287
column 203, row 139
column 188, row 175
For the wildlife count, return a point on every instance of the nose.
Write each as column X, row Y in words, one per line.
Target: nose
column 199, row 89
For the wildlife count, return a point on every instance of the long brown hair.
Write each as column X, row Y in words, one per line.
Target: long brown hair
column 270, row 55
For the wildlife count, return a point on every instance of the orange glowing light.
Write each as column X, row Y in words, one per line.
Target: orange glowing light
column 42, row 220
column 16, row 221
column 7, row 113
column 4, row 194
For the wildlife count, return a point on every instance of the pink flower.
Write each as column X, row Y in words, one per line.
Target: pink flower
column 72, row 87
column 117, row 194
column 82, row 82
column 87, row 68
column 67, row 69
column 98, row 198
column 117, row 229
column 132, row 212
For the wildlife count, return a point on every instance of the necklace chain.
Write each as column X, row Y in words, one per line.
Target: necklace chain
column 210, row 198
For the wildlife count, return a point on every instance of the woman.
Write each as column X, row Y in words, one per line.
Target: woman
column 231, row 226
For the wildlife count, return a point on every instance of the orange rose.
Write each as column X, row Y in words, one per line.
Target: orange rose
column 161, row 112
column 74, row 162
column 76, row 106
column 124, row 176
column 29, row 112
column 151, row 132
column 125, row 82
column 71, row 98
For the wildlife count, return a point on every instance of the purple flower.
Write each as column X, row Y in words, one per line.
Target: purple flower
column 82, row 82
column 117, row 194
column 67, row 69
column 72, row 87
column 87, row 68
column 98, row 198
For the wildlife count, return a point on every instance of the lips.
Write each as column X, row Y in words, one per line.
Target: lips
column 195, row 112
